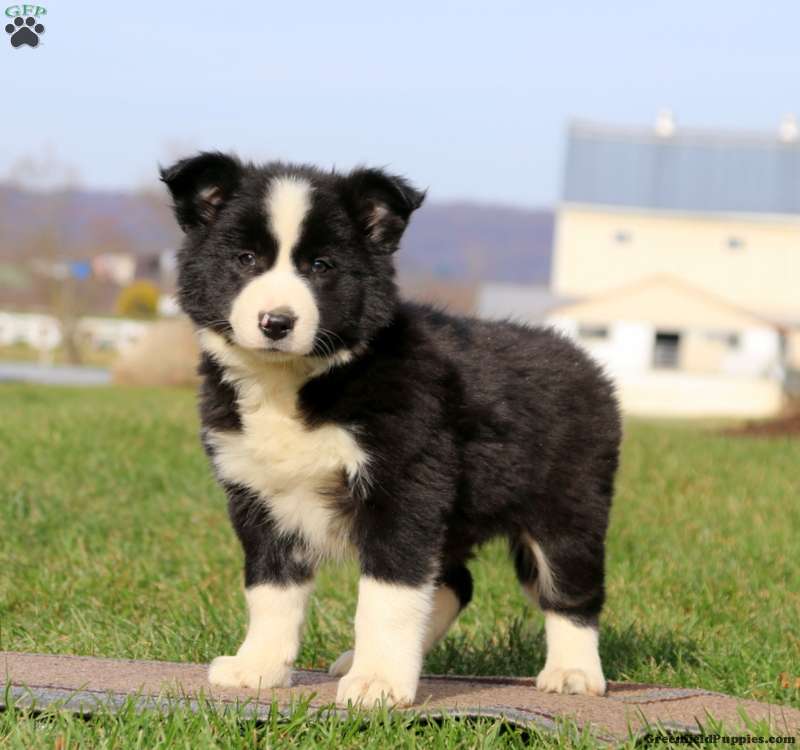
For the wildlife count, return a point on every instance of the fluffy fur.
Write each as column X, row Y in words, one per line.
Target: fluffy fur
column 344, row 421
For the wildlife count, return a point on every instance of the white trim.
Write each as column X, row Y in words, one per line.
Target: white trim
column 672, row 213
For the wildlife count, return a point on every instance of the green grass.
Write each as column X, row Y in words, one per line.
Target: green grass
column 114, row 541
column 302, row 728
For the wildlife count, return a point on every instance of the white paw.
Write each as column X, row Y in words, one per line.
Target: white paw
column 370, row 690
column 239, row 671
column 342, row 665
column 572, row 681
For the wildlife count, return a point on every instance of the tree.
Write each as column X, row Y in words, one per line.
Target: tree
column 63, row 296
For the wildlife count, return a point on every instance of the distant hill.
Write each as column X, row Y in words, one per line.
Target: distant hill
column 84, row 220
column 460, row 242
column 479, row 242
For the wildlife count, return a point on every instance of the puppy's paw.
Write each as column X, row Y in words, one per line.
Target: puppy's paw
column 342, row 665
column 369, row 690
column 571, row 681
column 238, row 671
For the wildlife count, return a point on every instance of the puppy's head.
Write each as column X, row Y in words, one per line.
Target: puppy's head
column 288, row 260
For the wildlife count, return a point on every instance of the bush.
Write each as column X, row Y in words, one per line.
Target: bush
column 138, row 300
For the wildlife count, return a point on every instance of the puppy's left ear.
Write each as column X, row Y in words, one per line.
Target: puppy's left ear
column 382, row 204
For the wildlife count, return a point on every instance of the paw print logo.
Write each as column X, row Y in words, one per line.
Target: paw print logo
column 24, row 31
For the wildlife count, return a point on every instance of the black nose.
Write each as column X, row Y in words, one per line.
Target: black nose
column 276, row 323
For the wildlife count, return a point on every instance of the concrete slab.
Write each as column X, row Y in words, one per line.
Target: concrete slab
column 82, row 684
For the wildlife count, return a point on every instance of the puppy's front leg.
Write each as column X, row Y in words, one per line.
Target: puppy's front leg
column 278, row 582
column 265, row 658
column 391, row 623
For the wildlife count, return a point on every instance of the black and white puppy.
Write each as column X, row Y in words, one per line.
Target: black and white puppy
column 341, row 420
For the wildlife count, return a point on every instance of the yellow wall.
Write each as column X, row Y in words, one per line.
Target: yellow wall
column 676, row 394
column 664, row 302
column 763, row 276
column 699, row 353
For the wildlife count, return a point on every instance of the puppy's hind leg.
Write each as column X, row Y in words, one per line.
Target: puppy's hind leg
column 567, row 582
column 452, row 594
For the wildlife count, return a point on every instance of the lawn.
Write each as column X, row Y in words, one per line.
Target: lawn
column 114, row 541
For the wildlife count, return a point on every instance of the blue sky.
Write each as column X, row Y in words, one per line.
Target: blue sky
column 469, row 99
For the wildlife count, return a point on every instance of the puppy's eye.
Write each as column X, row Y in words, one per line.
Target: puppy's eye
column 320, row 265
column 246, row 260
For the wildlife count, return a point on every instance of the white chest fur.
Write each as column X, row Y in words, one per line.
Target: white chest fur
column 292, row 467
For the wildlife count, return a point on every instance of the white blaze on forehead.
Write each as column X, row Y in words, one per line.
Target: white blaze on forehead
column 287, row 202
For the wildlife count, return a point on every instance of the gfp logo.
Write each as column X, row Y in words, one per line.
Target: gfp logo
column 25, row 28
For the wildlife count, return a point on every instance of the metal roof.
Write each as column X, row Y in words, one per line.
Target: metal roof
column 689, row 170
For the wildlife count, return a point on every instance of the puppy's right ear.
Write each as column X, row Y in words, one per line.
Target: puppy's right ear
column 201, row 185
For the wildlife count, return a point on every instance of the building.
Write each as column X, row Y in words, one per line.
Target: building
column 718, row 210
column 676, row 264
column 43, row 332
column 36, row 330
column 674, row 350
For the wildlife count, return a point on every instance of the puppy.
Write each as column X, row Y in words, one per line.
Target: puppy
column 341, row 420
